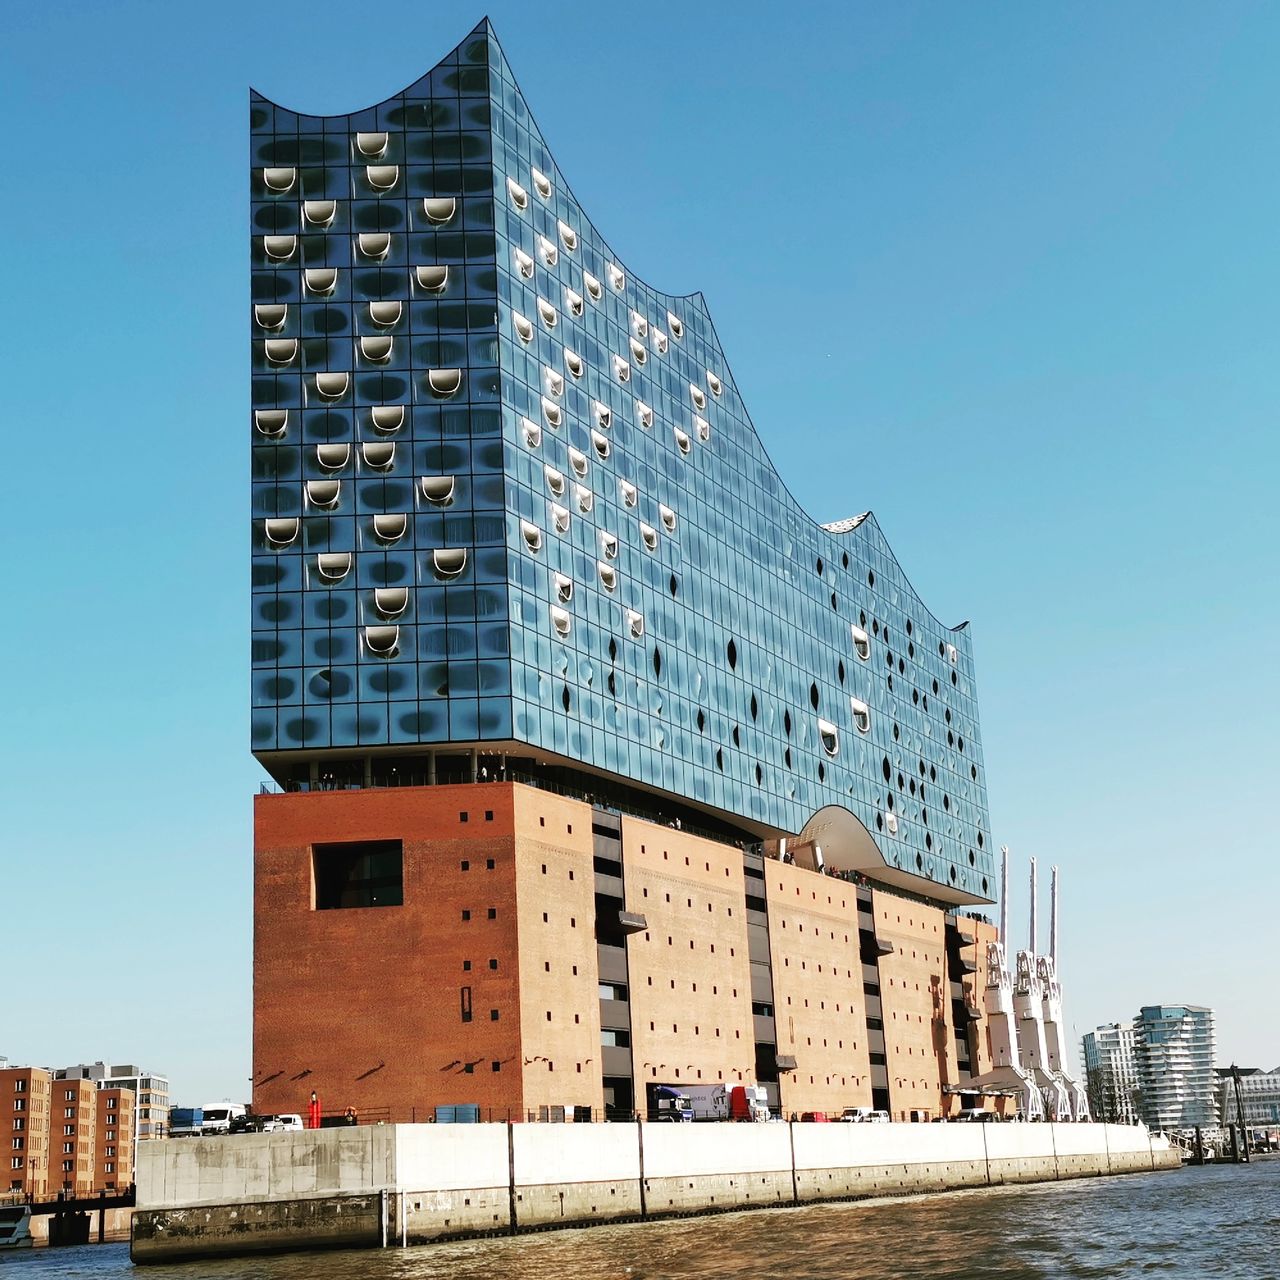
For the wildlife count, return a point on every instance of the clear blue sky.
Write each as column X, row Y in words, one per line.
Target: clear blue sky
column 1006, row 274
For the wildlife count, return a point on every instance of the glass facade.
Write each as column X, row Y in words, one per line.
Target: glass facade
column 506, row 496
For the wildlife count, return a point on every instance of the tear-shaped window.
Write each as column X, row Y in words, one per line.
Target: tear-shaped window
column 698, row 396
column 660, row 342
column 676, row 325
column 617, row 278
column 554, row 383
column 682, row 440
column 603, row 415
column 668, row 519
column 532, row 535
column 552, row 412
column 548, row 252
column 649, row 536
column 444, row 382
column 628, row 493
column 639, row 325
column 608, row 575
column 378, row 454
column 281, row 531
column 953, row 654
column 523, row 326
column 271, row 422
column 391, row 602
column 382, row 177
column 635, row 624
column 333, row 457
column 377, row 350
column 532, row 432
column 573, row 300
column 564, row 587
column 702, row 427
column 524, row 264
column 573, row 362
column 554, row 479
column 320, row 280
column 639, row 353
column 568, row 236
column 439, row 209
column 622, row 369
column 320, row 213
column 519, row 196
column 592, row 286
column 829, row 736
column 560, row 517
column 541, row 183
column 861, row 715
column 386, row 313
column 333, row 385
column 374, row 244
column 644, row 413
column 280, row 248
column 601, row 445
column 717, row 387
column 547, row 313
column 279, row 180
column 578, row 461
column 324, row 493
column 371, row 144
column 891, row 823
column 861, row 643
column 270, row 315
column 387, row 417
column 561, row 620
column 585, row 498
column 390, row 528
column 432, row 279
column 281, row 350
column 382, row 640
column 334, row 565
column 448, row 562
column 437, row 489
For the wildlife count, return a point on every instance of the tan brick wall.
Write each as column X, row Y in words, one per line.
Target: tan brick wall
column 817, row 988
column 73, row 1130
column 113, row 1151
column 24, row 1120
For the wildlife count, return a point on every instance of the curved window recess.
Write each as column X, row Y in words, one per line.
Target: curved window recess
column 390, row 528
column 333, row 457
column 320, row 280
column 603, row 414
column 602, row 445
column 561, row 620
column 320, row 213
column 682, row 440
column 550, row 254
column 382, row 177
column 568, row 236
column 639, row 325
column 676, row 325
column 432, row 279
column 448, row 562
column 617, row 277
column 387, row 417
column 622, row 369
column 444, row 382
column 382, row 640
column 333, row 385
column 703, row 427
column 334, row 565
column 644, row 413
column 281, row 532
column 281, row 350
column 585, row 498
column 524, row 326
column 861, row 643
column 547, row 312
column 541, row 183
column 573, row 301
column 861, row 715
column 371, row 144
column 593, row 287
column 717, row 387
column 829, row 736
column 635, row 624
column 519, row 196
column 374, row 244
column 660, row 342
column 609, row 545
column 280, row 179
column 378, row 454
column 532, row 432
column 578, row 461
column 953, row 654
column 553, row 413
column 608, row 575
column 564, row 588
column 437, row 489
column 649, row 536
column 386, row 313
column 524, row 264
column 532, row 535
column 573, row 362
column 639, row 353
column 891, row 823
column 555, row 383
column 440, row 209
column 281, row 248
column 377, row 350
column 555, row 480
column 698, row 396
column 270, row 315
column 271, row 422
column 628, row 492
column 324, row 493
column 391, row 602
column 560, row 517
column 668, row 519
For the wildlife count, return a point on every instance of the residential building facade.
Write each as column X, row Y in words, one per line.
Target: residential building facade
column 1174, row 1051
column 1258, row 1097
column 150, row 1091
column 24, row 1110
column 1111, row 1073
column 113, row 1150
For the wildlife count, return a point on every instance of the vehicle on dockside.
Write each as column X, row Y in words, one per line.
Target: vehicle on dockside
column 668, row 1102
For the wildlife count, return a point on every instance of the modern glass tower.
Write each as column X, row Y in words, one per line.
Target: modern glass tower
column 511, row 518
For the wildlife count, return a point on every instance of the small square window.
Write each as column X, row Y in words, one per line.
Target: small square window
column 463, row 817
column 488, row 815
column 493, row 913
column 469, row 1068
column 465, row 865
column 466, row 915
column 489, row 864
column 466, row 966
column 493, row 964
column 497, row 1066
column 493, row 1015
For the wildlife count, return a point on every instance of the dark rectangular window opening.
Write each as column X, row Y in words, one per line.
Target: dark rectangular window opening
column 358, row 873
column 466, row 1004
column 488, row 815
column 463, row 817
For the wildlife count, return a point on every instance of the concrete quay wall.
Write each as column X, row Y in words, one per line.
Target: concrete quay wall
column 409, row 1184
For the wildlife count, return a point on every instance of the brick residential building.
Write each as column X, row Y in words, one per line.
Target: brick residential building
column 24, row 1115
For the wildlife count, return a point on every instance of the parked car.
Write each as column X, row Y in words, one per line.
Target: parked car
column 978, row 1115
column 285, row 1124
column 819, row 1117
column 855, row 1115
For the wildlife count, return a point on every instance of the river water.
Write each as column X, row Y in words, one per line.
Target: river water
column 1213, row 1221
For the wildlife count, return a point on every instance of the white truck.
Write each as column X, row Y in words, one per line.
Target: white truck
column 728, row 1101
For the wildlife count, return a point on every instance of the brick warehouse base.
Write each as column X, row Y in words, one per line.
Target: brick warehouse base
column 413, row 1184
